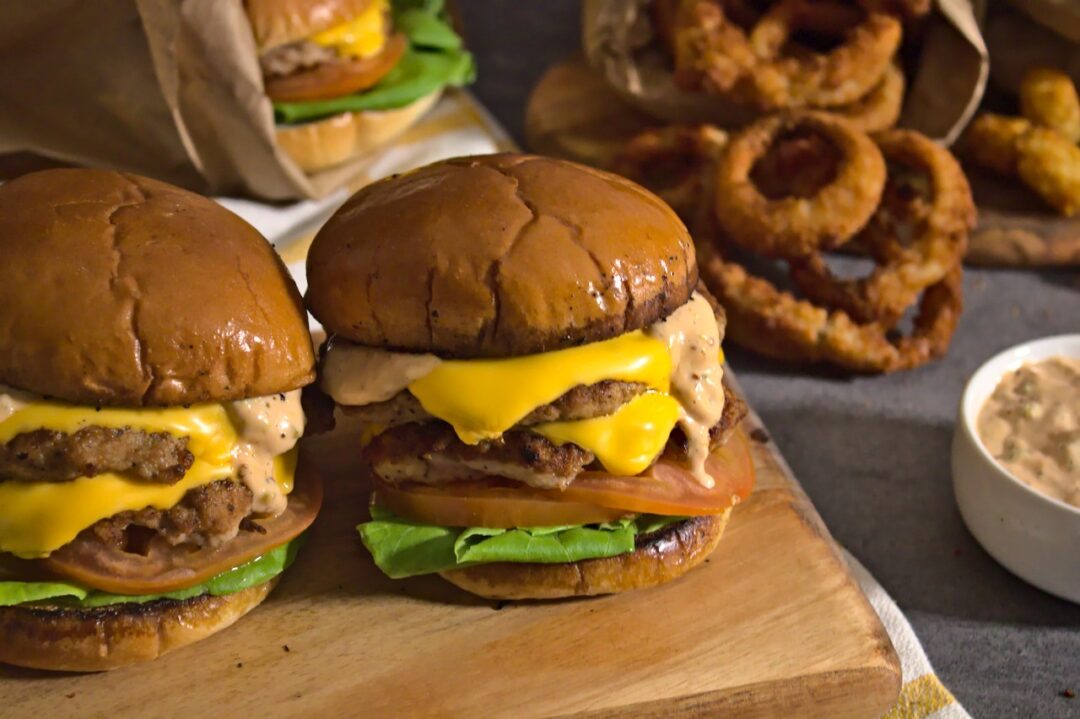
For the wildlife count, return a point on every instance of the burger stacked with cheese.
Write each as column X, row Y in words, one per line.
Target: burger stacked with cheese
column 152, row 351
column 348, row 75
column 539, row 374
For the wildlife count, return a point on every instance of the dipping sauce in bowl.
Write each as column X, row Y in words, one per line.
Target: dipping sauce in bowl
column 1031, row 426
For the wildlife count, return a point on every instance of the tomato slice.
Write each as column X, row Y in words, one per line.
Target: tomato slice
column 337, row 79
column 666, row 488
column 484, row 504
column 669, row 488
column 165, row 568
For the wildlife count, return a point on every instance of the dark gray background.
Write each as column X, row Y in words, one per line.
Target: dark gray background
column 873, row 453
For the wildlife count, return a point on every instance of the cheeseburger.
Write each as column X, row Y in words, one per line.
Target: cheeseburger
column 347, row 75
column 539, row 375
column 152, row 351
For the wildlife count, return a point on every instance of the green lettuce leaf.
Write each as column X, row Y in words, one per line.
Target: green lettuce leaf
column 258, row 571
column 435, row 59
column 402, row 548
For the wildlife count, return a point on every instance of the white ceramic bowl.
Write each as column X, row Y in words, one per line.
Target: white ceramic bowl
column 1034, row 536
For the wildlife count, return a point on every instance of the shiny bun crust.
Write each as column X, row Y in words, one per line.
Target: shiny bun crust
column 120, row 290
column 498, row 255
column 92, row 640
column 321, row 144
column 670, row 554
column 277, row 22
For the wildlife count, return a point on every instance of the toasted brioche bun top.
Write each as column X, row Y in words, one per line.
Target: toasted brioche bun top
column 120, row 290
column 498, row 255
column 277, row 22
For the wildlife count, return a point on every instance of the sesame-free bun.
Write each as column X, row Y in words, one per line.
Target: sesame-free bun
column 120, row 290
column 92, row 640
column 498, row 255
column 277, row 22
column 322, row 144
column 666, row 556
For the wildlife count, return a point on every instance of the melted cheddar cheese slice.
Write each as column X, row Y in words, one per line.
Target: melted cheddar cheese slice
column 37, row 518
column 481, row 399
column 625, row 442
column 363, row 36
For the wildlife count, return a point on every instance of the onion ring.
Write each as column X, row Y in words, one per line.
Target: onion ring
column 724, row 46
column 907, row 9
column 673, row 162
column 903, row 272
column 838, row 77
column 880, row 108
column 711, row 51
column 792, row 227
column 776, row 324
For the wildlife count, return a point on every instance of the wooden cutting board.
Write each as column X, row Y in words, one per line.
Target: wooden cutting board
column 572, row 113
column 772, row 625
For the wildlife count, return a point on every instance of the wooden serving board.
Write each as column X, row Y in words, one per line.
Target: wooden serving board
column 572, row 113
column 772, row 625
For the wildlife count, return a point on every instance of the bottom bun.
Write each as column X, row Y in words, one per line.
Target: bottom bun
column 92, row 640
column 324, row 143
column 659, row 557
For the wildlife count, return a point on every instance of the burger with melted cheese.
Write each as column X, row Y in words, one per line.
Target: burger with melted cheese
column 539, row 374
column 152, row 351
column 348, row 75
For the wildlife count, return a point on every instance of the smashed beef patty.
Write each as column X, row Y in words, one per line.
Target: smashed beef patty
column 581, row 402
column 48, row 456
column 207, row 515
column 431, row 453
column 295, row 57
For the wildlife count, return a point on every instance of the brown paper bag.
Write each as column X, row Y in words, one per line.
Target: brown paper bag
column 1032, row 33
column 946, row 88
column 166, row 88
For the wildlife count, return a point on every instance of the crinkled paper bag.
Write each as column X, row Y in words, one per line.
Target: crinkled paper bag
column 1032, row 33
column 165, row 88
column 947, row 85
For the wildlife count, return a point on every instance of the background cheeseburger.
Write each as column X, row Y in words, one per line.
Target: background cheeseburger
column 348, row 75
column 152, row 349
column 540, row 376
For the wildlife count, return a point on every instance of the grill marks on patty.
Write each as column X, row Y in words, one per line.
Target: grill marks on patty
column 208, row 515
column 581, row 402
column 48, row 456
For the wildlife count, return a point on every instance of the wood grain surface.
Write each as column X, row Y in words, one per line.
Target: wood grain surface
column 573, row 114
column 772, row 625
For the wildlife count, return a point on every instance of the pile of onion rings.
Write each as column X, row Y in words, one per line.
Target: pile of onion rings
column 789, row 188
column 791, row 54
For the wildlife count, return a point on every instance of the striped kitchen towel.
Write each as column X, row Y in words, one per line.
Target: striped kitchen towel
column 922, row 694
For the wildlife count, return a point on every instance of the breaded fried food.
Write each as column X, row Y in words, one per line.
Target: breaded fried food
column 1048, row 98
column 990, row 142
column 1050, row 165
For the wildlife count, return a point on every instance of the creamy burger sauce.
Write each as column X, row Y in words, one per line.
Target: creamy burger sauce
column 697, row 374
column 355, row 375
column 266, row 427
column 1031, row 425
